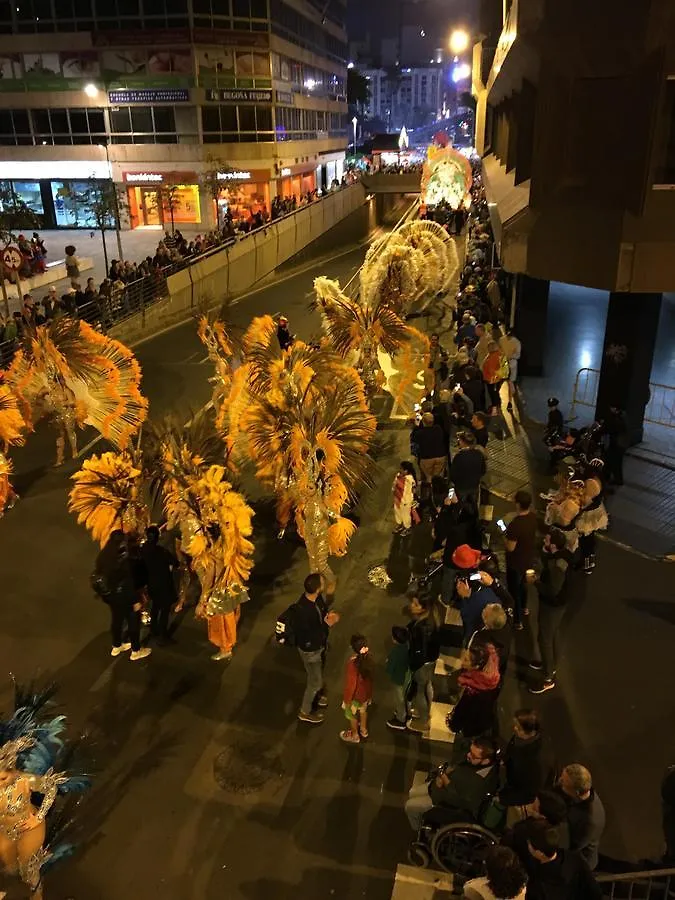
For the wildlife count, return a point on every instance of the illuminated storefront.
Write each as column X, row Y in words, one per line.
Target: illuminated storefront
column 160, row 198
column 296, row 180
column 244, row 192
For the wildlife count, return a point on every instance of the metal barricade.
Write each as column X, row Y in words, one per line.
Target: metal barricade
column 660, row 408
column 653, row 884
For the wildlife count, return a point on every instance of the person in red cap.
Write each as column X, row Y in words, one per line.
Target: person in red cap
column 466, row 557
column 474, row 595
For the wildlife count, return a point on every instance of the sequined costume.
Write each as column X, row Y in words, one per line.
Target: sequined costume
column 74, row 376
column 31, row 746
column 13, row 427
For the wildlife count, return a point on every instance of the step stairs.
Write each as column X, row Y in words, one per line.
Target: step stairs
column 412, row 883
column 447, row 661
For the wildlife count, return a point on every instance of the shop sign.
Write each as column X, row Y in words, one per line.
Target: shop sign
column 160, row 177
column 234, row 176
column 11, row 257
column 235, row 96
column 143, row 177
column 286, row 173
column 166, row 95
column 286, row 97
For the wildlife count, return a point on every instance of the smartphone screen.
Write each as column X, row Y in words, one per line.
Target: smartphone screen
column 501, row 525
column 451, row 493
column 475, row 576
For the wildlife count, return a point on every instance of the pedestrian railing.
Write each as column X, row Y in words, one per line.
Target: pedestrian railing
column 652, row 884
column 660, row 408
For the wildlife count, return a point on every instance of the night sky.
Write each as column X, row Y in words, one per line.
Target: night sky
column 382, row 18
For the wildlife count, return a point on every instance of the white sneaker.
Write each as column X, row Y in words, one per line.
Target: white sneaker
column 121, row 649
column 222, row 654
column 140, row 654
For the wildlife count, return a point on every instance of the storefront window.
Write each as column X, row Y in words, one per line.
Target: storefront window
column 27, row 192
column 72, row 201
column 244, row 200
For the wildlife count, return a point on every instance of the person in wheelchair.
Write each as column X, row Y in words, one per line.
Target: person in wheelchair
column 456, row 793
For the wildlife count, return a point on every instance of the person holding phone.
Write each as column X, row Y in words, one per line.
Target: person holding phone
column 520, row 538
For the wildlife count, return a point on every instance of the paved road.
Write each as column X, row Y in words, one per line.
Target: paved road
column 206, row 783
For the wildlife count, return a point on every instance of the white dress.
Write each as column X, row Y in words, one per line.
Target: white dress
column 478, row 889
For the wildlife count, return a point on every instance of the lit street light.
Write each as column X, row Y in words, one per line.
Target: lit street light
column 460, row 72
column 91, row 90
column 354, row 121
column 459, row 41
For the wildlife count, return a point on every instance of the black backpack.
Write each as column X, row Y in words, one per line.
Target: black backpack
column 284, row 631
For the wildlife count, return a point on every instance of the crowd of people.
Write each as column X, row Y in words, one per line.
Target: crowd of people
column 33, row 256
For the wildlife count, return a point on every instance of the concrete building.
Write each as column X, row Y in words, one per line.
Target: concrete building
column 576, row 127
column 156, row 93
column 405, row 96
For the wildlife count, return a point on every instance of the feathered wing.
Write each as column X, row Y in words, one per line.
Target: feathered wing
column 12, row 423
column 108, row 494
column 115, row 405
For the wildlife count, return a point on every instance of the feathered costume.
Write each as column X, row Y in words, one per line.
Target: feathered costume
column 31, row 749
column 109, row 494
column 213, row 518
column 12, row 429
column 309, row 432
column 364, row 332
column 67, row 371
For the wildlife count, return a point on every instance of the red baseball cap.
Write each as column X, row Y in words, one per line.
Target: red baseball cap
column 466, row 557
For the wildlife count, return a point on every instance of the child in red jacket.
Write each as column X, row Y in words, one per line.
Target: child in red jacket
column 358, row 690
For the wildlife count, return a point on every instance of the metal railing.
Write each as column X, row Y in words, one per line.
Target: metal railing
column 653, row 884
column 660, row 408
column 106, row 311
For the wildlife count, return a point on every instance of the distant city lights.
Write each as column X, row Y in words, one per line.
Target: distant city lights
column 461, row 72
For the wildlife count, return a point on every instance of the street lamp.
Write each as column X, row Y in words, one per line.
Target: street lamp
column 459, row 41
column 91, row 90
column 354, row 121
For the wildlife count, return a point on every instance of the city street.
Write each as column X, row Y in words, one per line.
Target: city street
column 205, row 783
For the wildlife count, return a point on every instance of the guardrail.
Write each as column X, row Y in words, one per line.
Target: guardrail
column 138, row 296
column 660, row 408
column 652, row 884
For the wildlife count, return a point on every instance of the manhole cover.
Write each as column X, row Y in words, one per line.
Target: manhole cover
column 246, row 767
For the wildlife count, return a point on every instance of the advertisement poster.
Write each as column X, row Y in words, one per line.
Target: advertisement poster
column 80, row 64
column 216, row 60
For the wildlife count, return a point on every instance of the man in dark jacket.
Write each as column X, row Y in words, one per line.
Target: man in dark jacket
column 284, row 336
column 528, row 762
column 423, row 650
column 460, row 789
column 468, row 467
column 556, row 874
column 552, row 589
column 432, row 451
column 160, row 565
column 312, row 621
column 548, row 806
column 585, row 812
column 614, row 427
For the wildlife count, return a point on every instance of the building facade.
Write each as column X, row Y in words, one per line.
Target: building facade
column 410, row 97
column 575, row 122
column 165, row 97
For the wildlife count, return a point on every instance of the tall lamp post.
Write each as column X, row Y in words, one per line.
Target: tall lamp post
column 92, row 91
column 354, row 123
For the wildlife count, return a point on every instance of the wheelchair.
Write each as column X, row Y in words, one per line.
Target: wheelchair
column 451, row 841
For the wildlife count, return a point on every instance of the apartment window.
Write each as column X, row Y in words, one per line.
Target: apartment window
column 143, row 125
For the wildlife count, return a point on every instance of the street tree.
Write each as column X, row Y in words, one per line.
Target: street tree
column 212, row 182
column 15, row 214
column 170, row 199
column 101, row 204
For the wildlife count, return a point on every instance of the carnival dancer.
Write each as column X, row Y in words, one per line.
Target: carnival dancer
column 31, row 748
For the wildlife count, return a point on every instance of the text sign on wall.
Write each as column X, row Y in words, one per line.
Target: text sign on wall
column 161, row 95
column 245, row 96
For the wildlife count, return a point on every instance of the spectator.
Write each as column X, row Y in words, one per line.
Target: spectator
column 479, row 428
column 430, row 442
column 552, row 590
column 423, row 651
column 460, row 790
column 284, row 336
column 510, row 347
column 520, row 537
column 555, row 422
column 468, row 468
column 398, row 670
column 160, row 565
column 585, row 812
column 616, row 431
column 505, row 877
column 528, row 763
column 312, row 621
column 495, row 371
column 474, row 713
column 549, row 806
column 466, row 330
column 403, row 490
column 358, row 690
column 50, row 302
column 493, row 629
column 72, row 264
column 482, row 348
column 455, row 530
column 474, row 596
column 556, row 874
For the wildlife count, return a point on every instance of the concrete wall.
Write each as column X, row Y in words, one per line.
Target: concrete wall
column 237, row 269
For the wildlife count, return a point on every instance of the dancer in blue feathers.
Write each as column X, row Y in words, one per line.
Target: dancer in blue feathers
column 33, row 755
